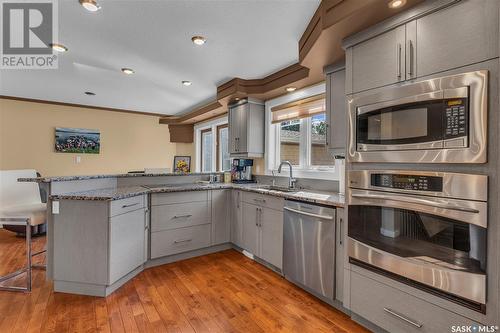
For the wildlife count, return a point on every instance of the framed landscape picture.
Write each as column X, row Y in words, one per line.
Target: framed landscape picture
column 77, row 140
column 182, row 164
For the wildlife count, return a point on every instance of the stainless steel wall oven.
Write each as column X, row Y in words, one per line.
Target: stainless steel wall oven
column 426, row 229
column 441, row 120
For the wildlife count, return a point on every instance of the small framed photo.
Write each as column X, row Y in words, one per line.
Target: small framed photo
column 182, row 164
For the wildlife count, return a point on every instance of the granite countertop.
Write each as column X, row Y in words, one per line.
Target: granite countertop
column 120, row 175
column 306, row 195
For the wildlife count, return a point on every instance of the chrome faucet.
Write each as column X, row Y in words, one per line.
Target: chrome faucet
column 291, row 180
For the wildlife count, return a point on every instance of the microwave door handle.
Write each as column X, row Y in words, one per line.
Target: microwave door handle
column 417, row 201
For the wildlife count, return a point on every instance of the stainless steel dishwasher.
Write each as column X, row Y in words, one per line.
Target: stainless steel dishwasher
column 309, row 247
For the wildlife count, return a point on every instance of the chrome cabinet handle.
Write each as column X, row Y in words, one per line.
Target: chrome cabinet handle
column 323, row 217
column 257, row 217
column 130, row 205
column 417, row 201
column 259, row 200
column 260, row 217
column 399, row 61
column 238, row 200
column 341, row 221
column 181, row 216
column 403, row 318
column 410, row 58
column 182, row 241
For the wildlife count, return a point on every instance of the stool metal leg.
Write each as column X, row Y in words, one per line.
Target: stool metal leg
column 27, row 268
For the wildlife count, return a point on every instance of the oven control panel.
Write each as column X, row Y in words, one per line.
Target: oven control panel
column 456, row 117
column 408, row 182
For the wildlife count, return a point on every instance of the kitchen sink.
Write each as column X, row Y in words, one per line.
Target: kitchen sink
column 280, row 188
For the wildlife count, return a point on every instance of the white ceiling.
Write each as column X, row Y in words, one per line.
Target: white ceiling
column 245, row 38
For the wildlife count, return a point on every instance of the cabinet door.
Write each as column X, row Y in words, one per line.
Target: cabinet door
column 220, row 216
column 243, row 126
column 379, row 61
column 233, row 130
column 126, row 243
column 339, row 254
column 250, row 230
column 236, row 219
column 458, row 35
column 271, row 231
column 336, row 112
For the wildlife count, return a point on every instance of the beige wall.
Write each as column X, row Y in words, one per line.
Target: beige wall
column 128, row 141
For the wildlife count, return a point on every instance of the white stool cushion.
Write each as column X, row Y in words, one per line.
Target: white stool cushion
column 36, row 212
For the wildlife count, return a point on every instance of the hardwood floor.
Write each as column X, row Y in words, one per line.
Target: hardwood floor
column 222, row 292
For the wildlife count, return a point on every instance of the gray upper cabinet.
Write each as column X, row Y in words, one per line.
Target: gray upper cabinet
column 441, row 36
column 379, row 61
column 220, row 216
column 336, row 112
column 246, row 129
column 462, row 34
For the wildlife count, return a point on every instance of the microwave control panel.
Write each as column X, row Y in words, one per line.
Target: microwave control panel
column 455, row 117
column 408, row 182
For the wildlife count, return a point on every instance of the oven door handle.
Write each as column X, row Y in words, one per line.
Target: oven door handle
column 416, row 201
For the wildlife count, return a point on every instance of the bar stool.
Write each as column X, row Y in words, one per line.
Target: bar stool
column 20, row 221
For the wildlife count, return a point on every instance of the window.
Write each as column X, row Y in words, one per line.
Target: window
column 206, row 150
column 223, row 159
column 297, row 131
column 212, row 146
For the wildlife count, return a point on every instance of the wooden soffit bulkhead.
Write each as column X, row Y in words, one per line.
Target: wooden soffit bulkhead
column 319, row 46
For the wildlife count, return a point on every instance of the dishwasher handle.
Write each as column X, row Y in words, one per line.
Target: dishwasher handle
column 323, row 217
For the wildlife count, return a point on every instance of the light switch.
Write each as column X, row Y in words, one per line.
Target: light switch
column 55, row 207
column 78, row 159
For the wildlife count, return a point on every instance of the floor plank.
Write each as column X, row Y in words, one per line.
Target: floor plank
column 220, row 292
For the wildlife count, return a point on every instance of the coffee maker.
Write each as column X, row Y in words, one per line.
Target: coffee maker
column 241, row 171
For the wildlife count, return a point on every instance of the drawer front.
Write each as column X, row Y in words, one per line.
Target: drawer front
column 182, row 215
column 168, row 242
column 122, row 206
column 263, row 200
column 126, row 244
column 178, row 197
column 397, row 311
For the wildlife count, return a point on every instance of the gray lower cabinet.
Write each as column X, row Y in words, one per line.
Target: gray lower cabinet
column 181, row 222
column 250, row 228
column 97, row 244
column 262, row 227
column 340, row 233
column 221, row 230
column 126, row 243
column 236, row 218
column 398, row 312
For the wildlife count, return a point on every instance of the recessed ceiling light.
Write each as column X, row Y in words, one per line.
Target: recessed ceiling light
column 89, row 93
column 90, row 5
column 396, row 3
column 187, row 83
column 199, row 40
column 128, row 71
column 290, row 89
column 58, row 47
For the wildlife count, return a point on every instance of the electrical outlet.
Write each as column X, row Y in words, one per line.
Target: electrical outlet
column 78, row 159
column 55, row 207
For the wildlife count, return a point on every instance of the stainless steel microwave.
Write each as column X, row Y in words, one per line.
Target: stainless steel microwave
column 442, row 120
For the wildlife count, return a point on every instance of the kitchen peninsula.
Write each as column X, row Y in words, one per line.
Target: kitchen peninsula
column 105, row 229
